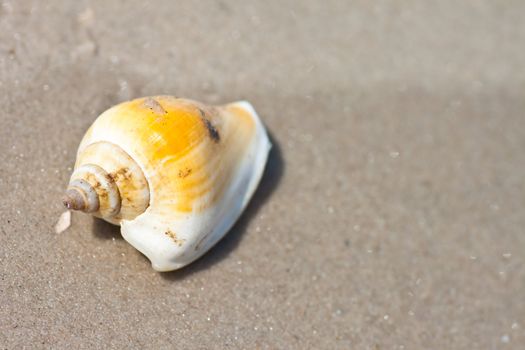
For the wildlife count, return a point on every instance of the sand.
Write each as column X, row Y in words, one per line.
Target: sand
column 391, row 215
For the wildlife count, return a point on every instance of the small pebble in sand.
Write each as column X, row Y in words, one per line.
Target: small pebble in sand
column 63, row 222
column 394, row 154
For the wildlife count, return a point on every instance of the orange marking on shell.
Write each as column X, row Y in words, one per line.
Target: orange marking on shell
column 208, row 140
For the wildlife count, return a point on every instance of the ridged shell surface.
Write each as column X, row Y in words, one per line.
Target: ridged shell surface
column 201, row 163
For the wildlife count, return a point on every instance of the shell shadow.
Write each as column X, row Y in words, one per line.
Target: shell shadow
column 104, row 230
column 272, row 176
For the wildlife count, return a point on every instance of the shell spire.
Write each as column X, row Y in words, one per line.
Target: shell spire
column 79, row 199
column 175, row 174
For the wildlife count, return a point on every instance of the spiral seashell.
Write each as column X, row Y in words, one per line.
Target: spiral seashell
column 175, row 174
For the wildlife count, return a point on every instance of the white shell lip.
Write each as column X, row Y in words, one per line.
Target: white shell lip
column 263, row 146
column 147, row 232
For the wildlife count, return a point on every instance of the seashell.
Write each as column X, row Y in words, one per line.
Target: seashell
column 175, row 174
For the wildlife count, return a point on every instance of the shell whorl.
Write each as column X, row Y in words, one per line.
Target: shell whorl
column 108, row 183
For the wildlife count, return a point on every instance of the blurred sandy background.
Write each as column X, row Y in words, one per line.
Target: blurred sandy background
column 391, row 215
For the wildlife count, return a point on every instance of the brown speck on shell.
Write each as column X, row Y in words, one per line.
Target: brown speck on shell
column 212, row 130
column 173, row 236
column 121, row 174
column 184, row 173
